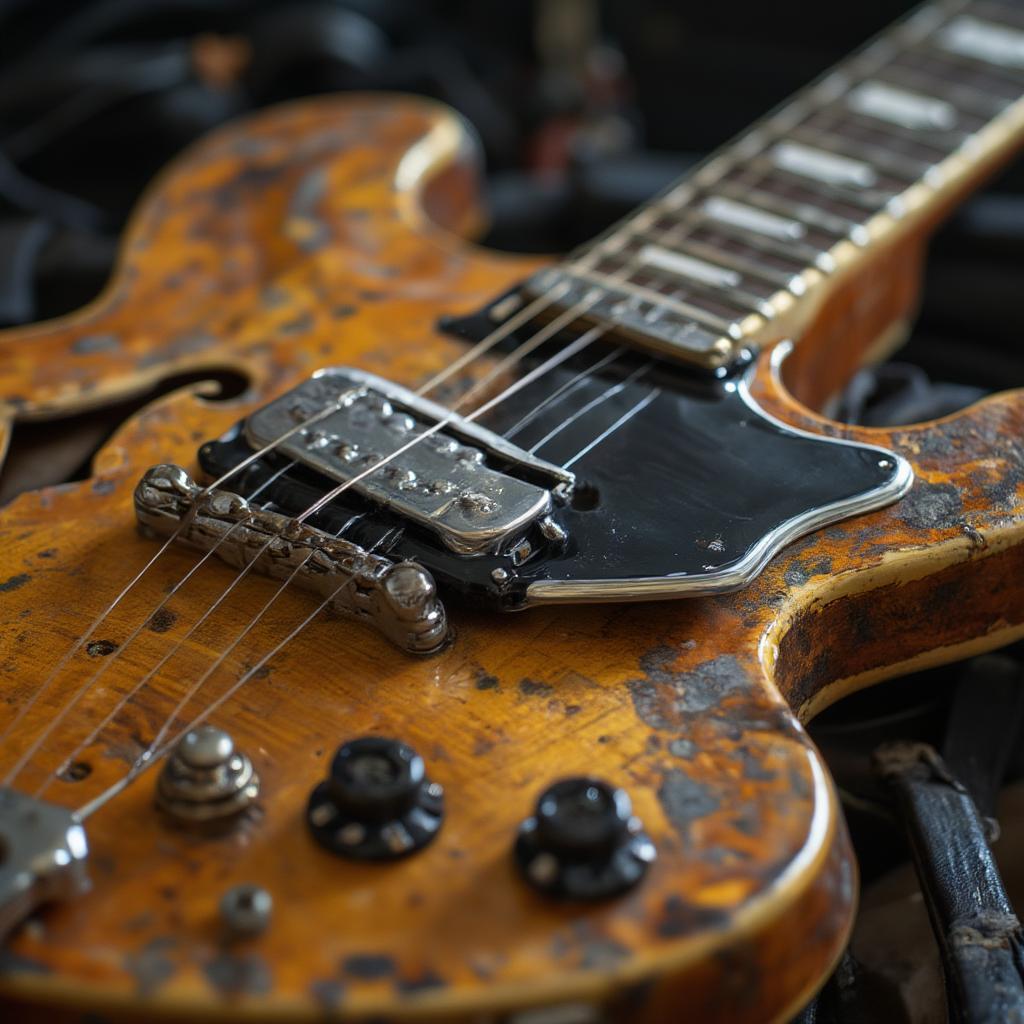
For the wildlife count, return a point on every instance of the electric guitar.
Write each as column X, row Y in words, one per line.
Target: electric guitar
column 352, row 679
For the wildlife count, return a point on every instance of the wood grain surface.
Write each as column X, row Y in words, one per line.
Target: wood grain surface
column 326, row 233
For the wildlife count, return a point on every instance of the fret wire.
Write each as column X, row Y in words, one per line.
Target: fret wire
column 805, row 213
column 965, row 98
column 862, row 65
column 989, row 78
column 681, row 237
column 892, row 166
column 1014, row 73
column 1008, row 89
column 883, row 163
column 705, row 251
column 942, row 142
column 870, row 200
column 859, row 125
column 797, row 252
column 733, row 301
column 729, row 305
column 812, row 200
column 699, row 316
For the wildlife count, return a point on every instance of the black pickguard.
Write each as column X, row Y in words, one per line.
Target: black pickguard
column 698, row 486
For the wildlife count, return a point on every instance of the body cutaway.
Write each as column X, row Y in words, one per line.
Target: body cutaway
column 324, row 234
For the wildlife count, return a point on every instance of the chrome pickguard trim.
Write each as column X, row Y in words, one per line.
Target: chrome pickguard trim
column 744, row 571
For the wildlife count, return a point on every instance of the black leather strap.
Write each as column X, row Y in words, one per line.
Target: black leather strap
column 979, row 935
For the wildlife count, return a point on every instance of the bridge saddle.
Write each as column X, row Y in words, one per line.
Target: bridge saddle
column 397, row 598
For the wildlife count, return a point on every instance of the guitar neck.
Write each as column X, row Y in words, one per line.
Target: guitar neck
column 737, row 253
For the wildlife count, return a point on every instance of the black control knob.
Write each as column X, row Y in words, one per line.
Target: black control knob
column 583, row 841
column 377, row 803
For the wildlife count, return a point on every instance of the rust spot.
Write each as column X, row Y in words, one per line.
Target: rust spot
column 485, row 681
column 233, row 974
column 152, row 966
column 535, row 688
column 678, row 918
column 300, row 325
column 931, row 506
column 328, row 992
column 799, row 573
column 162, row 620
column 369, row 966
column 685, row 800
column 90, row 343
column 663, row 695
column 427, row 980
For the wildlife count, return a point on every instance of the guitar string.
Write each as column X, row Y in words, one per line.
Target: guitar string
column 41, row 690
column 675, row 234
column 624, row 418
column 628, row 226
column 564, row 354
column 629, row 229
column 138, row 765
column 611, row 392
column 581, row 378
column 476, row 351
column 108, row 662
column 154, row 752
column 649, row 398
column 524, row 349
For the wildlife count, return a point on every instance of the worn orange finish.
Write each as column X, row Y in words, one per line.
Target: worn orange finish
column 298, row 239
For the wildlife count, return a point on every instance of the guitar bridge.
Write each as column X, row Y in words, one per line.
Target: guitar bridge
column 397, row 598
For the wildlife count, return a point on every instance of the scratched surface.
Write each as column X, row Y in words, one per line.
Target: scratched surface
column 285, row 244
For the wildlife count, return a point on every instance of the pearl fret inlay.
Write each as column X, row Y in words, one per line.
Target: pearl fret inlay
column 899, row 107
column 823, row 166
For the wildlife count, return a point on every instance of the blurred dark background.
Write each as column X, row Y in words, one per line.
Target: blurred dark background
column 583, row 110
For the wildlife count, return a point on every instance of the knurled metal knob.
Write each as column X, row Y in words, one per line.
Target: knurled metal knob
column 583, row 841
column 205, row 780
column 377, row 803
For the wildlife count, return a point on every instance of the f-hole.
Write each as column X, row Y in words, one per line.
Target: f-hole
column 60, row 450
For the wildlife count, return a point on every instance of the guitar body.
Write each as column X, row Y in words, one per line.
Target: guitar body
column 327, row 233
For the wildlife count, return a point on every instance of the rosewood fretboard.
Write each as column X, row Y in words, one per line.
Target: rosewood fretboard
column 733, row 252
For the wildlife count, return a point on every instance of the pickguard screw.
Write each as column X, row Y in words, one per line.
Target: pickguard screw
column 377, row 802
column 206, row 780
column 245, row 910
column 583, row 841
column 499, row 575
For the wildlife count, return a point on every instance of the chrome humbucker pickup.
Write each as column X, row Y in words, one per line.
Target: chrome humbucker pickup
column 472, row 488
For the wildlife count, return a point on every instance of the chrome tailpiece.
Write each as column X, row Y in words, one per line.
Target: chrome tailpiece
column 399, row 599
column 43, row 857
